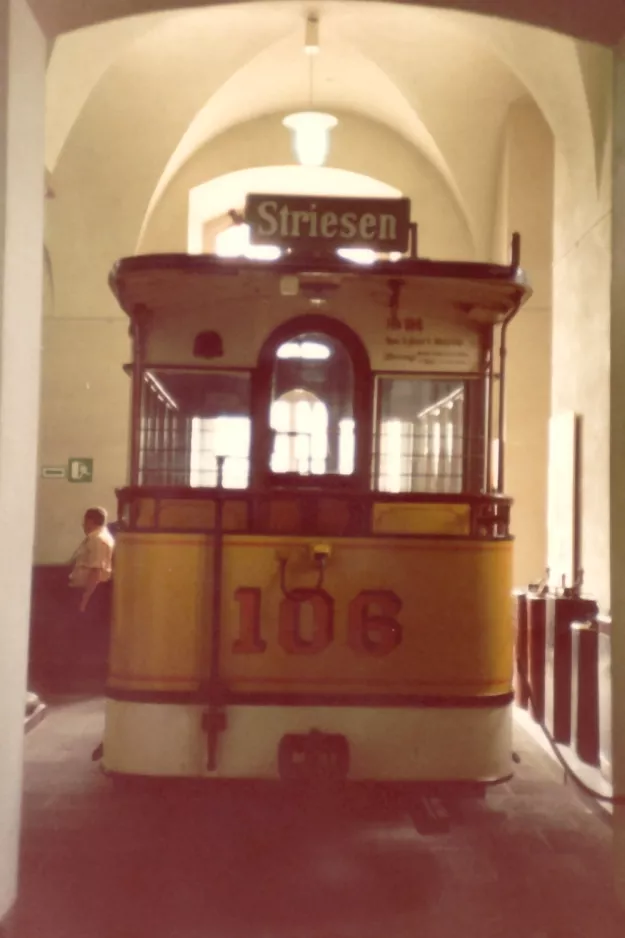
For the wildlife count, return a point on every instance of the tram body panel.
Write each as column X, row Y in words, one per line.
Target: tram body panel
column 313, row 550
column 386, row 744
column 159, row 612
column 391, row 617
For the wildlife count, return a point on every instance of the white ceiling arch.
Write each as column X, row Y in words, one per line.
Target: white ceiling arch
column 358, row 146
column 345, row 79
column 88, row 53
column 169, row 87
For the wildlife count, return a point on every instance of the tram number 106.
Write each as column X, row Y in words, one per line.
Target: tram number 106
column 372, row 628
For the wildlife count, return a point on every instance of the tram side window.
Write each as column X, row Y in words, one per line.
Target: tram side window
column 420, row 435
column 188, row 420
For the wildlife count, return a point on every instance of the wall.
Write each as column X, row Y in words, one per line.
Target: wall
column 22, row 53
column 581, row 340
column 526, row 206
column 84, row 413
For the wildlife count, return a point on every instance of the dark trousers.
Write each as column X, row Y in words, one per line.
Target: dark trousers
column 87, row 636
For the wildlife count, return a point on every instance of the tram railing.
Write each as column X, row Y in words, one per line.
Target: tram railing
column 326, row 510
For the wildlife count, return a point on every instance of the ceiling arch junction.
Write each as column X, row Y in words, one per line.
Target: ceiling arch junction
column 170, row 100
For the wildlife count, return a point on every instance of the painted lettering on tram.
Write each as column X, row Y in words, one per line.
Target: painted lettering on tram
column 306, row 623
column 280, row 221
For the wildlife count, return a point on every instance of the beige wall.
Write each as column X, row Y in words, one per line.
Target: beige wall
column 581, row 344
column 84, row 413
column 22, row 51
column 527, row 207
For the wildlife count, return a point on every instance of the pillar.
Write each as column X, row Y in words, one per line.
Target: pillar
column 617, row 466
column 22, row 87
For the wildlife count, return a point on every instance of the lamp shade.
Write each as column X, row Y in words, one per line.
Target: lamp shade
column 311, row 136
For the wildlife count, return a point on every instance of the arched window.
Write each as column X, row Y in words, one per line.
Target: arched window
column 311, row 411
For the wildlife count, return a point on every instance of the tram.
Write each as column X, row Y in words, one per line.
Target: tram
column 313, row 567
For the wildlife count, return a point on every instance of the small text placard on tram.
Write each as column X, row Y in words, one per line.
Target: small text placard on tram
column 315, row 222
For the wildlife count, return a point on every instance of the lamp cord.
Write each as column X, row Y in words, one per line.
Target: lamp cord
column 311, row 66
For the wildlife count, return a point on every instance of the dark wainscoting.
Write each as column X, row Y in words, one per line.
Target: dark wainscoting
column 68, row 651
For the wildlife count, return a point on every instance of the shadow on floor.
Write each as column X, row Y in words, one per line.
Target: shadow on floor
column 183, row 861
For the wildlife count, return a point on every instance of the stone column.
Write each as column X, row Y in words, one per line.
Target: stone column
column 22, row 95
column 617, row 467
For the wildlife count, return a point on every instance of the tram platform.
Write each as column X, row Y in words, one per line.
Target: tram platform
column 533, row 860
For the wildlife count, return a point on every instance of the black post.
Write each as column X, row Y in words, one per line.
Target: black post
column 215, row 719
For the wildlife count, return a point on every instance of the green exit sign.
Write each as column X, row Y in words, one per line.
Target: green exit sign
column 80, row 469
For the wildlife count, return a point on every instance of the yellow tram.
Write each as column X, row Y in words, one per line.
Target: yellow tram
column 313, row 570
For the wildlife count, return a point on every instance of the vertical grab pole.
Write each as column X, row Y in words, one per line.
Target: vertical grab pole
column 138, row 341
column 503, row 352
column 489, row 413
column 215, row 718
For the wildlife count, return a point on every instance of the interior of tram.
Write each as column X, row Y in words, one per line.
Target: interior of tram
column 427, row 431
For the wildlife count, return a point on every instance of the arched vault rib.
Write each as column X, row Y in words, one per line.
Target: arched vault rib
column 345, row 79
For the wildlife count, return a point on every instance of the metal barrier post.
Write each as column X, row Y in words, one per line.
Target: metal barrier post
column 585, row 691
column 521, row 697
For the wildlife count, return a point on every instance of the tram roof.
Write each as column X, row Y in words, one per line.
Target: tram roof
column 172, row 282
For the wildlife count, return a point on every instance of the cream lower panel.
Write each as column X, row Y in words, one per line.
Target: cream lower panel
column 387, row 744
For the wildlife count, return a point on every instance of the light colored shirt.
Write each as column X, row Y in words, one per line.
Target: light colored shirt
column 94, row 553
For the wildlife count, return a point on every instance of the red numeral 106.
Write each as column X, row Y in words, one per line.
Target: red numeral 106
column 372, row 628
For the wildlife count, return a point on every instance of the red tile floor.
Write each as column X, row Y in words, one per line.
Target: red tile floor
column 532, row 861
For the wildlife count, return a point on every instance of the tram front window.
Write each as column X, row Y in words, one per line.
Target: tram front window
column 311, row 414
column 421, row 429
column 188, row 421
column 228, row 437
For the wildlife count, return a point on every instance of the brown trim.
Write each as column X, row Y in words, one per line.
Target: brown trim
column 431, row 375
column 489, row 514
column 278, row 699
column 200, row 493
column 206, row 368
column 411, row 540
column 209, row 263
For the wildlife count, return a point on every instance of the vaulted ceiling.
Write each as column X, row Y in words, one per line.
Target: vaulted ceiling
column 144, row 110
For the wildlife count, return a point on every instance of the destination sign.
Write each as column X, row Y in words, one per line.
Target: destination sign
column 319, row 223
